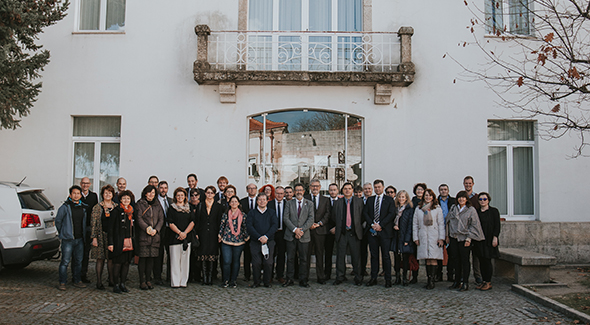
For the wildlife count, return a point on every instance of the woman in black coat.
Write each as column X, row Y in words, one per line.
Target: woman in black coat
column 120, row 239
column 207, row 230
column 489, row 217
column 404, row 220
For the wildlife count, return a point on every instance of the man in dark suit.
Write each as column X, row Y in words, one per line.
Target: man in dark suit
column 318, row 230
column 367, row 193
column 192, row 182
column 329, row 242
column 298, row 221
column 91, row 199
column 278, row 204
column 446, row 202
column 347, row 217
column 262, row 226
column 165, row 201
column 248, row 203
column 379, row 213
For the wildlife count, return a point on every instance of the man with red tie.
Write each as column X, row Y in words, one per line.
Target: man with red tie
column 347, row 214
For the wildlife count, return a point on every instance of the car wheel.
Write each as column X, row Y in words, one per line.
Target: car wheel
column 16, row 266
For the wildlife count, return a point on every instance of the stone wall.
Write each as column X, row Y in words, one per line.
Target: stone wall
column 568, row 241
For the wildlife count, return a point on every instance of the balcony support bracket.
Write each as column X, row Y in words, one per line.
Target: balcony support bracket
column 383, row 94
column 227, row 92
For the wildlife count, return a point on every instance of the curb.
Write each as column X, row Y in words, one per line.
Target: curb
column 550, row 303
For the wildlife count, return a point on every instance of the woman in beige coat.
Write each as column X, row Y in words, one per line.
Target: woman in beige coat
column 429, row 233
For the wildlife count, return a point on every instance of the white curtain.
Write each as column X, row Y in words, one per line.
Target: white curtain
column 83, row 161
column 290, row 15
column 498, row 178
column 350, row 15
column 89, row 14
column 320, row 15
column 524, row 197
column 493, row 14
column 115, row 15
column 97, row 126
column 260, row 15
column 109, row 163
column 519, row 17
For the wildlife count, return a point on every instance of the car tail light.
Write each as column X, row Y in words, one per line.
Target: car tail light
column 30, row 220
column 38, row 246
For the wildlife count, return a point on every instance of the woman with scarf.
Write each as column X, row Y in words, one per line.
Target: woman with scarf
column 403, row 245
column 181, row 221
column 207, row 230
column 463, row 227
column 429, row 233
column 99, row 224
column 150, row 219
column 120, row 238
column 232, row 236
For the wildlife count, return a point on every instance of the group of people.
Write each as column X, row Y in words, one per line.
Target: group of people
column 277, row 230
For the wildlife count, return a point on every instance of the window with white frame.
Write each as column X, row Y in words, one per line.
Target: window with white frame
column 511, row 168
column 101, row 15
column 513, row 16
column 313, row 50
column 97, row 141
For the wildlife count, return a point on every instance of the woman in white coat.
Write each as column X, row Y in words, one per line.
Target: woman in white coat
column 429, row 233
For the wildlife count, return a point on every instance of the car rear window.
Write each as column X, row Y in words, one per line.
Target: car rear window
column 34, row 200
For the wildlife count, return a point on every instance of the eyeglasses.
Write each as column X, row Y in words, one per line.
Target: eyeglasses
column 209, row 193
column 390, row 192
column 194, row 194
column 483, row 198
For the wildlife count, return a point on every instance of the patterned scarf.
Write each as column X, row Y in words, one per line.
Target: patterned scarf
column 427, row 215
column 128, row 211
column 231, row 217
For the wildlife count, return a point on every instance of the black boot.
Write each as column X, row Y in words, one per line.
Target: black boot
column 204, row 271
column 428, row 276
column 405, row 278
column 414, row 277
column 398, row 279
column 208, row 270
column 433, row 269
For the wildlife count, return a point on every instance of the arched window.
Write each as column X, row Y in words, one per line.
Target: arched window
column 296, row 146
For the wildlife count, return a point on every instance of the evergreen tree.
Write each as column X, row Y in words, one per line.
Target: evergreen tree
column 21, row 59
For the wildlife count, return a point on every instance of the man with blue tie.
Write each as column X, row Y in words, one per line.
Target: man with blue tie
column 298, row 220
column 347, row 216
column 278, row 204
column 379, row 214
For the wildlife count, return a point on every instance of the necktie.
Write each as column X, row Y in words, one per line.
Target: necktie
column 251, row 204
column 165, row 206
column 314, row 203
column 280, row 215
column 332, row 202
column 348, row 216
column 298, row 208
column 377, row 208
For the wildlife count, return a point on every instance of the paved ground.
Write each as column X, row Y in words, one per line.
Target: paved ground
column 29, row 296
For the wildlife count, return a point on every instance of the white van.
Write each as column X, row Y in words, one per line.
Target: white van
column 27, row 226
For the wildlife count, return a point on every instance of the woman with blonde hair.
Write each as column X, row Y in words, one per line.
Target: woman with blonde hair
column 429, row 233
column 403, row 245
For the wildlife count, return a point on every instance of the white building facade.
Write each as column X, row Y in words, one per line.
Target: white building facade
column 131, row 91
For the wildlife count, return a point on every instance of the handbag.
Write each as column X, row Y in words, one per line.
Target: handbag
column 127, row 245
column 195, row 243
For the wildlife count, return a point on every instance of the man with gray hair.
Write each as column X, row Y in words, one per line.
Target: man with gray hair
column 319, row 229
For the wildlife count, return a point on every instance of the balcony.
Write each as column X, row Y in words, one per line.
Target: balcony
column 230, row 58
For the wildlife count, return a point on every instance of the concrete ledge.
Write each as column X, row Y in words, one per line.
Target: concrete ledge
column 526, row 258
column 205, row 76
column 550, row 303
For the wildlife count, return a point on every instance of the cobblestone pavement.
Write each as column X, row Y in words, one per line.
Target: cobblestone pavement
column 29, row 296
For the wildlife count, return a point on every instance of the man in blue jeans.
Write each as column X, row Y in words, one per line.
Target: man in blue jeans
column 71, row 226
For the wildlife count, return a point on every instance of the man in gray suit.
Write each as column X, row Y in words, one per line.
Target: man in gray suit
column 297, row 220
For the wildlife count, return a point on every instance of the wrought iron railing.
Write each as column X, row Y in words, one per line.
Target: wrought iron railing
column 304, row 51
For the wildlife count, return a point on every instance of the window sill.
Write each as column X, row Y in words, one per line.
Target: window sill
column 511, row 36
column 98, row 32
